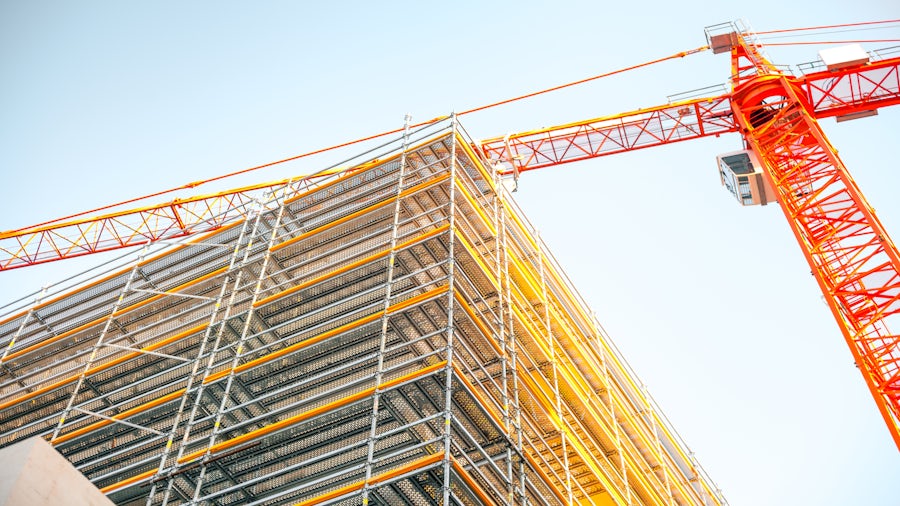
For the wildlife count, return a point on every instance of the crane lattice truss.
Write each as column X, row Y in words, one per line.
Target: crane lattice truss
column 854, row 260
column 392, row 335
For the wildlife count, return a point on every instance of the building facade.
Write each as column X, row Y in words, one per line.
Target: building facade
column 390, row 334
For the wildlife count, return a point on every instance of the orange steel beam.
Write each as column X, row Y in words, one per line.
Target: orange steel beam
column 283, row 293
column 854, row 261
column 328, row 334
column 68, row 238
column 266, row 358
column 102, row 367
column 420, row 464
column 98, row 321
column 352, row 265
column 382, row 203
column 476, row 488
column 121, row 416
column 283, row 424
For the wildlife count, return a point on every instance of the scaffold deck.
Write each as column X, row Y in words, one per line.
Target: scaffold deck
column 394, row 334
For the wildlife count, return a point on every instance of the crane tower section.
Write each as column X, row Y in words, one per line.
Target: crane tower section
column 854, row 261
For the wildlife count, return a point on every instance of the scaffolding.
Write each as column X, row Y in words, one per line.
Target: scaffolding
column 391, row 334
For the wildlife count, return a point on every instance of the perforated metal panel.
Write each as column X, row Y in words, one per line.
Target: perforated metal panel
column 401, row 338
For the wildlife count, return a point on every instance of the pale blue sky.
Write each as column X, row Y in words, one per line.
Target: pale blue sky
column 712, row 304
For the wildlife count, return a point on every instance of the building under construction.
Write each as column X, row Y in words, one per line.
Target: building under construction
column 390, row 334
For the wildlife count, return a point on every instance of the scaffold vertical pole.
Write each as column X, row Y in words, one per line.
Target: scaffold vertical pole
column 551, row 343
column 99, row 343
column 513, row 357
column 451, row 268
column 195, row 369
column 385, row 317
column 21, row 329
column 648, row 412
column 245, row 330
column 502, row 335
column 220, row 330
column 610, row 393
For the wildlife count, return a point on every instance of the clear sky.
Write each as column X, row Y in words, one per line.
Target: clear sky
column 711, row 303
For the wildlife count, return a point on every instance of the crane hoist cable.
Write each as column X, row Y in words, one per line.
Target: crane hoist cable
column 817, row 31
column 826, row 27
column 680, row 54
column 824, row 42
column 826, row 32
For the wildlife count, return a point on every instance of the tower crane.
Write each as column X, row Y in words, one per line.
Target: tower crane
column 787, row 159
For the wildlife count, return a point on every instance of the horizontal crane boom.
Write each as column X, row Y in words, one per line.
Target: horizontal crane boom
column 608, row 135
column 831, row 93
column 854, row 90
column 137, row 226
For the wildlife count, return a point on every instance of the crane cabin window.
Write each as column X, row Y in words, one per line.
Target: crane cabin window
column 742, row 176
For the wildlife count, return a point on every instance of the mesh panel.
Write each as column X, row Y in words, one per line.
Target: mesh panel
column 294, row 418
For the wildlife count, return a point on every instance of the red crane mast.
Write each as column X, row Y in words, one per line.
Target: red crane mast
column 854, row 261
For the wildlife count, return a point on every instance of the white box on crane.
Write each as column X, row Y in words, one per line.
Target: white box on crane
column 837, row 58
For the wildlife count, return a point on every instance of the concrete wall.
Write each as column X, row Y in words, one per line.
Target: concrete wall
column 32, row 473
